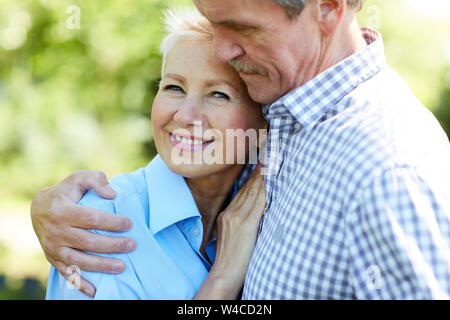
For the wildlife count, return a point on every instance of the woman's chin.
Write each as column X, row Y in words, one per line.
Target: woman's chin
column 194, row 170
column 191, row 166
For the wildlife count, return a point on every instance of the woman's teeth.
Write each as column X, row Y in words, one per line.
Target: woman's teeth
column 188, row 140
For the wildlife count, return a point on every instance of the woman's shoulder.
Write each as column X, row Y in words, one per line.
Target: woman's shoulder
column 134, row 191
column 127, row 185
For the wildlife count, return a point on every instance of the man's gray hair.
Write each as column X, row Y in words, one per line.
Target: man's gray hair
column 294, row 7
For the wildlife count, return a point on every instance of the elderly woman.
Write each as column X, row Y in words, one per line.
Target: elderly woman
column 185, row 249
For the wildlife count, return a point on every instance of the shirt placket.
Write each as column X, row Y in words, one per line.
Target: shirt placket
column 273, row 159
column 192, row 230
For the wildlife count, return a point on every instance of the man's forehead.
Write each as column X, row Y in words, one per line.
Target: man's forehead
column 214, row 6
column 219, row 6
column 226, row 11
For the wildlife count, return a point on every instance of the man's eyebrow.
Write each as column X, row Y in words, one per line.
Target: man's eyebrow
column 229, row 23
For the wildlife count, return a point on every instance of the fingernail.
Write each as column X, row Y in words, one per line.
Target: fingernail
column 130, row 246
column 111, row 190
column 90, row 292
column 116, row 267
column 127, row 224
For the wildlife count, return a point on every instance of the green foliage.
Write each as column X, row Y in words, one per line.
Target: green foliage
column 70, row 99
column 80, row 98
column 443, row 110
column 414, row 44
column 76, row 98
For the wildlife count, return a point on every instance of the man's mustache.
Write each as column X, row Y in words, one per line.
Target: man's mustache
column 247, row 68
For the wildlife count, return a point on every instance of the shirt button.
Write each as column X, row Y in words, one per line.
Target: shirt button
column 196, row 232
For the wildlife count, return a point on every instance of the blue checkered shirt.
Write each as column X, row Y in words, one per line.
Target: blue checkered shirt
column 357, row 185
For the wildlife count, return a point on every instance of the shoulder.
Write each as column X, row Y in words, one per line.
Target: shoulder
column 382, row 120
column 127, row 185
column 381, row 125
column 132, row 201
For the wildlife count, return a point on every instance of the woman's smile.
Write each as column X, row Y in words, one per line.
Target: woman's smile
column 200, row 99
column 189, row 143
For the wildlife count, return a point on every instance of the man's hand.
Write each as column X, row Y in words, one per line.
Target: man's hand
column 61, row 227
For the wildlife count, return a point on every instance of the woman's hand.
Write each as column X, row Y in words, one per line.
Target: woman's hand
column 60, row 225
column 237, row 230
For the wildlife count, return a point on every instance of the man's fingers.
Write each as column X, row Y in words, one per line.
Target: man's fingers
column 90, row 218
column 82, row 180
column 90, row 262
column 70, row 273
column 98, row 181
column 88, row 241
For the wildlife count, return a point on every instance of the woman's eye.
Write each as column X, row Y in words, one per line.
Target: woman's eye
column 172, row 87
column 220, row 95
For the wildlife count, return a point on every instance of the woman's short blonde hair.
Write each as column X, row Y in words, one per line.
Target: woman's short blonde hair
column 183, row 24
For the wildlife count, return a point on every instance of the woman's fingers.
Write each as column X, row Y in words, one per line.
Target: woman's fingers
column 259, row 205
column 253, row 192
column 245, row 213
column 249, row 189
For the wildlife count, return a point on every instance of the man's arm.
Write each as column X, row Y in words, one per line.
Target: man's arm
column 399, row 237
column 62, row 227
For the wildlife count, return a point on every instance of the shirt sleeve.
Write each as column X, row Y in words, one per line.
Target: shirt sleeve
column 399, row 238
column 108, row 286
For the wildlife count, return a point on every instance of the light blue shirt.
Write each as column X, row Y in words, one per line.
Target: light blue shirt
column 167, row 227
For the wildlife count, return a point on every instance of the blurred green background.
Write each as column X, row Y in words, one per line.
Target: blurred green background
column 77, row 94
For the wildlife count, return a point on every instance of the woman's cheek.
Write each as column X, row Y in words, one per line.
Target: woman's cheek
column 235, row 127
column 160, row 114
column 238, row 120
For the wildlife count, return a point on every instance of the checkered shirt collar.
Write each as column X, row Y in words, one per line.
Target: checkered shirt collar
column 309, row 102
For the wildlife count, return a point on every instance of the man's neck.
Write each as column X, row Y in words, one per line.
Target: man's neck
column 341, row 45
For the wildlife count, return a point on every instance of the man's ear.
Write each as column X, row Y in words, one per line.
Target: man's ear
column 331, row 13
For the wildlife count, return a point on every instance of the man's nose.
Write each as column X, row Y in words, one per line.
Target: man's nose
column 189, row 112
column 226, row 47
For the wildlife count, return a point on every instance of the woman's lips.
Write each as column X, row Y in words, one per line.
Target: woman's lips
column 188, row 144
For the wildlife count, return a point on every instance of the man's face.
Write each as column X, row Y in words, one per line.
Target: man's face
column 272, row 53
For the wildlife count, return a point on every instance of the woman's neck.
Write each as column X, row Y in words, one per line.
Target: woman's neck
column 209, row 194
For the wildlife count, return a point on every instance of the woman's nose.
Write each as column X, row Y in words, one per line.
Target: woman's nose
column 189, row 113
column 226, row 48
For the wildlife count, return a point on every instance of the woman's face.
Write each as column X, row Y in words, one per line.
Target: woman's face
column 202, row 112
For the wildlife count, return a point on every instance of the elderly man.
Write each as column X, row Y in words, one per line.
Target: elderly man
column 357, row 169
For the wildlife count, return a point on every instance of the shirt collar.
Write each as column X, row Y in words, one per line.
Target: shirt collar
column 170, row 199
column 309, row 102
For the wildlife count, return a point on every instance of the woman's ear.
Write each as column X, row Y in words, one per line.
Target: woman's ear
column 331, row 13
